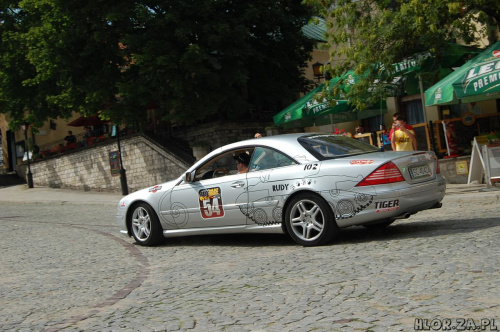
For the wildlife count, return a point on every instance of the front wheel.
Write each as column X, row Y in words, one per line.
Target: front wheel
column 146, row 227
column 310, row 221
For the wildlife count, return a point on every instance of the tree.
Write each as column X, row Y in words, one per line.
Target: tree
column 189, row 60
column 216, row 59
column 368, row 36
column 68, row 54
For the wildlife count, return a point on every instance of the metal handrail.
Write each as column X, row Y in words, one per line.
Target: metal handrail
column 179, row 148
column 54, row 144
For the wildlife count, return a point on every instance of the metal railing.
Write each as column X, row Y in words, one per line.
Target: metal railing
column 62, row 146
column 178, row 147
column 58, row 143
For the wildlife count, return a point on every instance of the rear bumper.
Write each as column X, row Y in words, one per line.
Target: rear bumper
column 395, row 202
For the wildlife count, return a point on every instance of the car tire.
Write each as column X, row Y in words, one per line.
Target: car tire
column 381, row 225
column 310, row 221
column 145, row 225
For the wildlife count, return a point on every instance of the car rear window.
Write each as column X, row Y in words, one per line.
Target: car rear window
column 332, row 146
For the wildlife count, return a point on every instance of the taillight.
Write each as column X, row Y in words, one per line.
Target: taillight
column 438, row 169
column 387, row 173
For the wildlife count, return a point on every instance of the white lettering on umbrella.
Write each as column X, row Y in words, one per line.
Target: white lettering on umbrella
column 479, row 84
column 481, row 70
column 493, row 78
column 486, row 68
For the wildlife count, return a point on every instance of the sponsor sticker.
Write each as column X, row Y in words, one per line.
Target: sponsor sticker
column 362, row 162
column 211, row 203
column 154, row 189
column 280, row 187
column 386, row 206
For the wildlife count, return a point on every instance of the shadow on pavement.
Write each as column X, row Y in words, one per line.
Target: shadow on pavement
column 8, row 180
column 355, row 234
column 231, row 240
column 418, row 229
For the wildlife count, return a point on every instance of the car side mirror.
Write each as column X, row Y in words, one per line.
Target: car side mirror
column 189, row 176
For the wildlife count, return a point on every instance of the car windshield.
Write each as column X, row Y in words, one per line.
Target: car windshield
column 332, row 146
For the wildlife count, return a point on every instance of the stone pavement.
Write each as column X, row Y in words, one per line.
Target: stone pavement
column 65, row 267
column 21, row 193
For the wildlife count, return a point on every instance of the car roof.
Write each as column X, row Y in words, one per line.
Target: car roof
column 287, row 143
column 283, row 142
column 280, row 137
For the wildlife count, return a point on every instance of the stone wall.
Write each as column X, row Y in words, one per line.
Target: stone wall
column 455, row 170
column 204, row 138
column 146, row 164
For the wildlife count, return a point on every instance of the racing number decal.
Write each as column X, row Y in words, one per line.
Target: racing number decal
column 309, row 167
column 211, row 203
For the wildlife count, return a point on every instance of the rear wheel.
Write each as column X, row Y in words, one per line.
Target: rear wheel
column 146, row 227
column 309, row 220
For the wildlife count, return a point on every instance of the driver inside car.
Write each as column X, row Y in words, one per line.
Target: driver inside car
column 242, row 161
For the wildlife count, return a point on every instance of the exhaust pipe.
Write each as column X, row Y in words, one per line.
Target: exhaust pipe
column 405, row 215
column 436, row 206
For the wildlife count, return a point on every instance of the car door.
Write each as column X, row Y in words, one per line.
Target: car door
column 270, row 179
column 210, row 201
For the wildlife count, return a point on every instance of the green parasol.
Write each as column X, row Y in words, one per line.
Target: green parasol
column 307, row 111
column 476, row 80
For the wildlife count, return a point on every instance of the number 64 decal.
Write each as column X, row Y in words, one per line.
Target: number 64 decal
column 310, row 167
column 211, row 203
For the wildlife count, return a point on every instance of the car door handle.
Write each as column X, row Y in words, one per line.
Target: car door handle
column 238, row 184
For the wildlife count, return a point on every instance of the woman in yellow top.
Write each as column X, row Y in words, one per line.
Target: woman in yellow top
column 403, row 139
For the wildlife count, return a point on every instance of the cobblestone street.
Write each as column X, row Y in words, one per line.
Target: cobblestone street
column 65, row 267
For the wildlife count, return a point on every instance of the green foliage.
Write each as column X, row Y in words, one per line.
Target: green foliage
column 190, row 60
column 367, row 35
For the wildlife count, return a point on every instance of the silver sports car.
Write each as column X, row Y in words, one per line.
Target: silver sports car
column 307, row 185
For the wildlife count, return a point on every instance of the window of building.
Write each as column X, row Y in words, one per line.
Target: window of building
column 412, row 109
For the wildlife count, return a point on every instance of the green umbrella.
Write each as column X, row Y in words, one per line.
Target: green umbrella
column 307, row 111
column 410, row 76
column 478, row 79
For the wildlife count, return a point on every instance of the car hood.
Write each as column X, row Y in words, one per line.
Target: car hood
column 145, row 193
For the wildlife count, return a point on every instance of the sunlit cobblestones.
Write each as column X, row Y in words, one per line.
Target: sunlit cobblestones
column 65, row 267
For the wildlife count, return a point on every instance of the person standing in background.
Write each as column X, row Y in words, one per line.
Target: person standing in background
column 385, row 139
column 394, row 117
column 70, row 138
column 403, row 139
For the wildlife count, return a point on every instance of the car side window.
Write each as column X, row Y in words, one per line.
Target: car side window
column 221, row 165
column 265, row 158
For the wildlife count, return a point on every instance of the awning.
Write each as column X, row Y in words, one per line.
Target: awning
column 310, row 110
column 412, row 73
column 477, row 80
column 307, row 111
column 375, row 110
